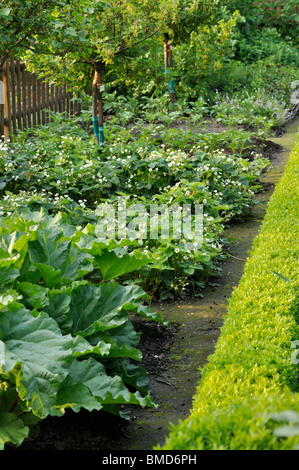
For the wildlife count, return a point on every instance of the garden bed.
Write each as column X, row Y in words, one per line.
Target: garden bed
column 171, row 355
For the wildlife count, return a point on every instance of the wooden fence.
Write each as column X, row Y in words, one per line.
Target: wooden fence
column 26, row 99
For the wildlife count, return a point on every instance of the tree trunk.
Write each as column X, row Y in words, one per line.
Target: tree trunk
column 97, row 103
column 168, row 64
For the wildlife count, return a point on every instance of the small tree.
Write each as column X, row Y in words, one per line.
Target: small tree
column 91, row 33
column 178, row 20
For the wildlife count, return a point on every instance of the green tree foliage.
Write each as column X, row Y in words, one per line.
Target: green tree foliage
column 84, row 32
column 20, row 20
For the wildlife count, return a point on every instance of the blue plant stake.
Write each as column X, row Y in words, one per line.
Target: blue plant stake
column 98, row 131
column 95, row 121
column 101, row 136
column 171, row 85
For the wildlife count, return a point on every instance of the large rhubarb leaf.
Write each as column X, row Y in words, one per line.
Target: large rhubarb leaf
column 7, row 275
column 111, row 256
column 145, row 311
column 99, row 308
column 89, row 243
column 42, row 353
column 12, row 430
column 114, row 343
column 110, row 390
column 88, row 383
column 13, row 248
column 58, row 260
column 33, row 295
column 113, row 265
column 59, row 309
column 131, row 374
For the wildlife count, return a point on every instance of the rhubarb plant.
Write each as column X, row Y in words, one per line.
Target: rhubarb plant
column 67, row 338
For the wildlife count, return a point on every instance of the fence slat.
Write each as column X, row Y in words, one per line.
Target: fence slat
column 39, row 101
column 13, row 96
column 34, row 100
column 7, row 100
column 47, row 102
column 19, row 95
column 29, row 97
column 24, row 96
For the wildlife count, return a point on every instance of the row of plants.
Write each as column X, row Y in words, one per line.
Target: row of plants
column 247, row 398
column 67, row 342
column 60, row 168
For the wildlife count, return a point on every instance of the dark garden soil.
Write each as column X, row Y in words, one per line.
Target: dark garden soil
column 171, row 355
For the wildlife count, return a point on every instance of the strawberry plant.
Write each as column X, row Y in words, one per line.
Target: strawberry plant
column 64, row 173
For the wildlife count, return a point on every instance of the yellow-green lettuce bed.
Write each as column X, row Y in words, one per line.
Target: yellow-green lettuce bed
column 252, row 373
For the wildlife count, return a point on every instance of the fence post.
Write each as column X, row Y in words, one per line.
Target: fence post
column 13, row 96
column 6, row 89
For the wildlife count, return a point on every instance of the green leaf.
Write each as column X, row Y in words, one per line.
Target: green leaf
column 58, row 260
column 34, row 296
column 113, row 265
column 43, row 355
column 8, row 275
column 117, row 342
column 70, row 31
column 11, row 246
column 47, row 249
column 59, row 309
column 106, row 389
column 49, row 275
column 100, row 308
column 75, row 395
column 145, row 311
column 5, row 13
column 12, row 430
column 96, row 246
column 132, row 374
column 281, row 276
